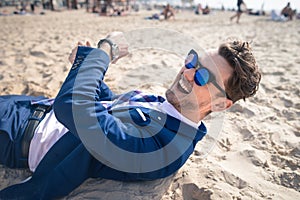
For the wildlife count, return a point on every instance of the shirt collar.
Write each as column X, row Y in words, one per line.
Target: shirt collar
column 170, row 110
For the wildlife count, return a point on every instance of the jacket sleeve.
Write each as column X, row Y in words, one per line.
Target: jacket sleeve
column 83, row 88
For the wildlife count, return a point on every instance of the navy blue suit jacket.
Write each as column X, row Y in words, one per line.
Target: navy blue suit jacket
column 126, row 143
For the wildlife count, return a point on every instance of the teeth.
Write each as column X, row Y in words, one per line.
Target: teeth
column 184, row 85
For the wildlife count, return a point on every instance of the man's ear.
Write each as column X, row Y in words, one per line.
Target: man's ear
column 221, row 104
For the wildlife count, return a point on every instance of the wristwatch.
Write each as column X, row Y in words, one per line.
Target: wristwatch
column 114, row 50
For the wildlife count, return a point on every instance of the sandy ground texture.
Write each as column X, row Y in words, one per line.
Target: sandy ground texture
column 252, row 150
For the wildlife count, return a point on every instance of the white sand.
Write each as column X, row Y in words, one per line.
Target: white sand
column 257, row 153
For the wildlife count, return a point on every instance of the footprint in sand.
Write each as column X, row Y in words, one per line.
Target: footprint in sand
column 289, row 114
column 192, row 191
column 241, row 109
column 33, row 89
column 225, row 144
column 296, row 153
column 39, row 54
column 297, row 61
column 287, row 103
column 155, row 66
column 252, row 156
column 46, row 73
column 289, row 180
column 234, row 181
column 247, row 134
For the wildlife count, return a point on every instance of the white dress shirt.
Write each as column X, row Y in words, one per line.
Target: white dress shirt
column 50, row 130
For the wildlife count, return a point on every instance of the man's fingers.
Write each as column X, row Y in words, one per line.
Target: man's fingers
column 87, row 43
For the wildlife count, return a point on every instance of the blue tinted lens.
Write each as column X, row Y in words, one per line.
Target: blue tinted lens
column 201, row 76
column 189, row 65
column 191, row 61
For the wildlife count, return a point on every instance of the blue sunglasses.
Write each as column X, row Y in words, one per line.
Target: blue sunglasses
column 202, row 75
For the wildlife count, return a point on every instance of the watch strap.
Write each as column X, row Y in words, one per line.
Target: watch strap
column 112, row 45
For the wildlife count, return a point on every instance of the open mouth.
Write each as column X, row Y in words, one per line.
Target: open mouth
column 184, row 86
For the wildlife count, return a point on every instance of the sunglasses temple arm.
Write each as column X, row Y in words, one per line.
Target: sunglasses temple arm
column 221, row 89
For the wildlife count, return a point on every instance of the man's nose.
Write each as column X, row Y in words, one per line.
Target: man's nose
column 189, row 74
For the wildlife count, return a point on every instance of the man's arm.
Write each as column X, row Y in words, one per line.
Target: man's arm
column 83, row 88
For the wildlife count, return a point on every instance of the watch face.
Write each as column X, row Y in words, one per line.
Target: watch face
column 115, row 51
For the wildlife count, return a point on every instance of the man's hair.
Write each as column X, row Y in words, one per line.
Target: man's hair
column 244, row 81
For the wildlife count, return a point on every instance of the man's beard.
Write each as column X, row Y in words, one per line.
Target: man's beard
column 173, row 100
column 180, row 104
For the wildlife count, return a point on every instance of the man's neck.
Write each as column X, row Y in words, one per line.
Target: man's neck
column 172, row 111
column 196, row 115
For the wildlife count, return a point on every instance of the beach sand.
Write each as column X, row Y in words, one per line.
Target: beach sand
column 255, row 153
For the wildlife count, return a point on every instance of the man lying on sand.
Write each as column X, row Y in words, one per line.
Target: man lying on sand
column 87, row 131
